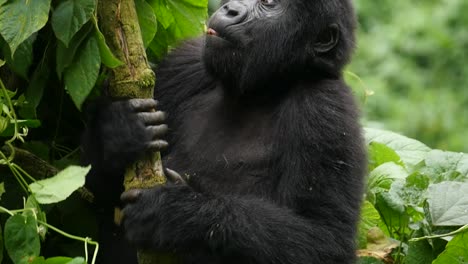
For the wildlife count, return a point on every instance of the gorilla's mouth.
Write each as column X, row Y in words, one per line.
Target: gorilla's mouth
column 212, row 32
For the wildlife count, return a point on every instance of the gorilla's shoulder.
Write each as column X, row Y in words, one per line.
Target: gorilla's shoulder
column 182, row 73
column 186, row 57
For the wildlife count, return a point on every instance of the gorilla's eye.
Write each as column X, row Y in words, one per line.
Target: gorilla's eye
column 267, row 2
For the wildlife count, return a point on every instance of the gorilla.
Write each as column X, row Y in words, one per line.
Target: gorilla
column 263, row 136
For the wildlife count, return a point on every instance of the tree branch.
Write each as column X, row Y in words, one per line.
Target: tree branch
column 134, row 79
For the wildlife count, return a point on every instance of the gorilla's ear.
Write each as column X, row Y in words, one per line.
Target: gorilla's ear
column 327, row 39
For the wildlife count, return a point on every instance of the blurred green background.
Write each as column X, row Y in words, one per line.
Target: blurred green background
column 413, row 55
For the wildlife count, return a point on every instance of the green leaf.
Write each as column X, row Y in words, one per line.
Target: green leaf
column 1, row 3
column 419, row 252
column 65, row 260
column 189, row 17
column 182, row 18
column 31, row 203
column 147, row 21
column 456, row 251
column 21, row 238
column 59, row 187
column 380, row 154
column 446, row 166
column 160, row 43
column 369, row 218
column 2, row 191
column 70, row 16
column 38, row 260
column 81, row 76
column 21, row 18
column 448, row 203
column 163, row 12
column 65, row 56
column 35, row 90
column 384, row 175
column 392, row 210
column 107, row 56
column 58, row 260
column 78, row 260
column 369, row 260
column 23, row 57
column 411, row 151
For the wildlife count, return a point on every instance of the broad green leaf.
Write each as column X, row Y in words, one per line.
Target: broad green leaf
column 417, row 180
column 456, row 251
column 23, row 58
column 58, row 260
column 65, row 260
column 369, row 218
column 182, row 18
column 159, row 45
column 411, row 198
column 446, row 166
column 65, row 56
column 368, row 260
column 59, row 187
column 38, row 260
column 78, row 260
column 189, row 17
column 392, row 210
column 70, row 16
column 81, row 76
column 410, row 151
column 384, row 175
column 1, row 3
column 35, row 90
column 419, row 252
column 107, row 56
column 448, row 203
column 19, row 19
column 163, row 12
column 380, row 153
column 21, row 238
column 147, row 21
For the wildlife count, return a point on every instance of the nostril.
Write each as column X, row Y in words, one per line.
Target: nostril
column 232, row 13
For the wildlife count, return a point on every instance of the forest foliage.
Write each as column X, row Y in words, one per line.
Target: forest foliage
column 53, row 58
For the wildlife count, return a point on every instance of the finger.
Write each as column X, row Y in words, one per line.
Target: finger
column 142, row 104
column 152, row 118
column 157, row 145
column 157, row 132
column 130, row 196
column 174, row 177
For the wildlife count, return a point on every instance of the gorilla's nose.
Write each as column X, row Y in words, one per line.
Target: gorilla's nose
column 232, row 13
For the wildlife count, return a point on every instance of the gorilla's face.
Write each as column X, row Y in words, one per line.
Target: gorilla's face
column 233, row 24
column 256, row 43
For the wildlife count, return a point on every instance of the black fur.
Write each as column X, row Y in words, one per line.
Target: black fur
column 264, row 128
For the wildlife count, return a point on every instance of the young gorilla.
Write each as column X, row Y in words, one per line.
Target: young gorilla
column 265, row 131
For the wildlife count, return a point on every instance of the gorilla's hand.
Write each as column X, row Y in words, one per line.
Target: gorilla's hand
column 151, row 216
column 122, row 131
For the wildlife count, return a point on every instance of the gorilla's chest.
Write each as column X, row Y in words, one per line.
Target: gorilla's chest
column 227, row 148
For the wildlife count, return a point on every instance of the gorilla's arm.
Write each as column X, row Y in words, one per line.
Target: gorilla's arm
column 177, row 218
